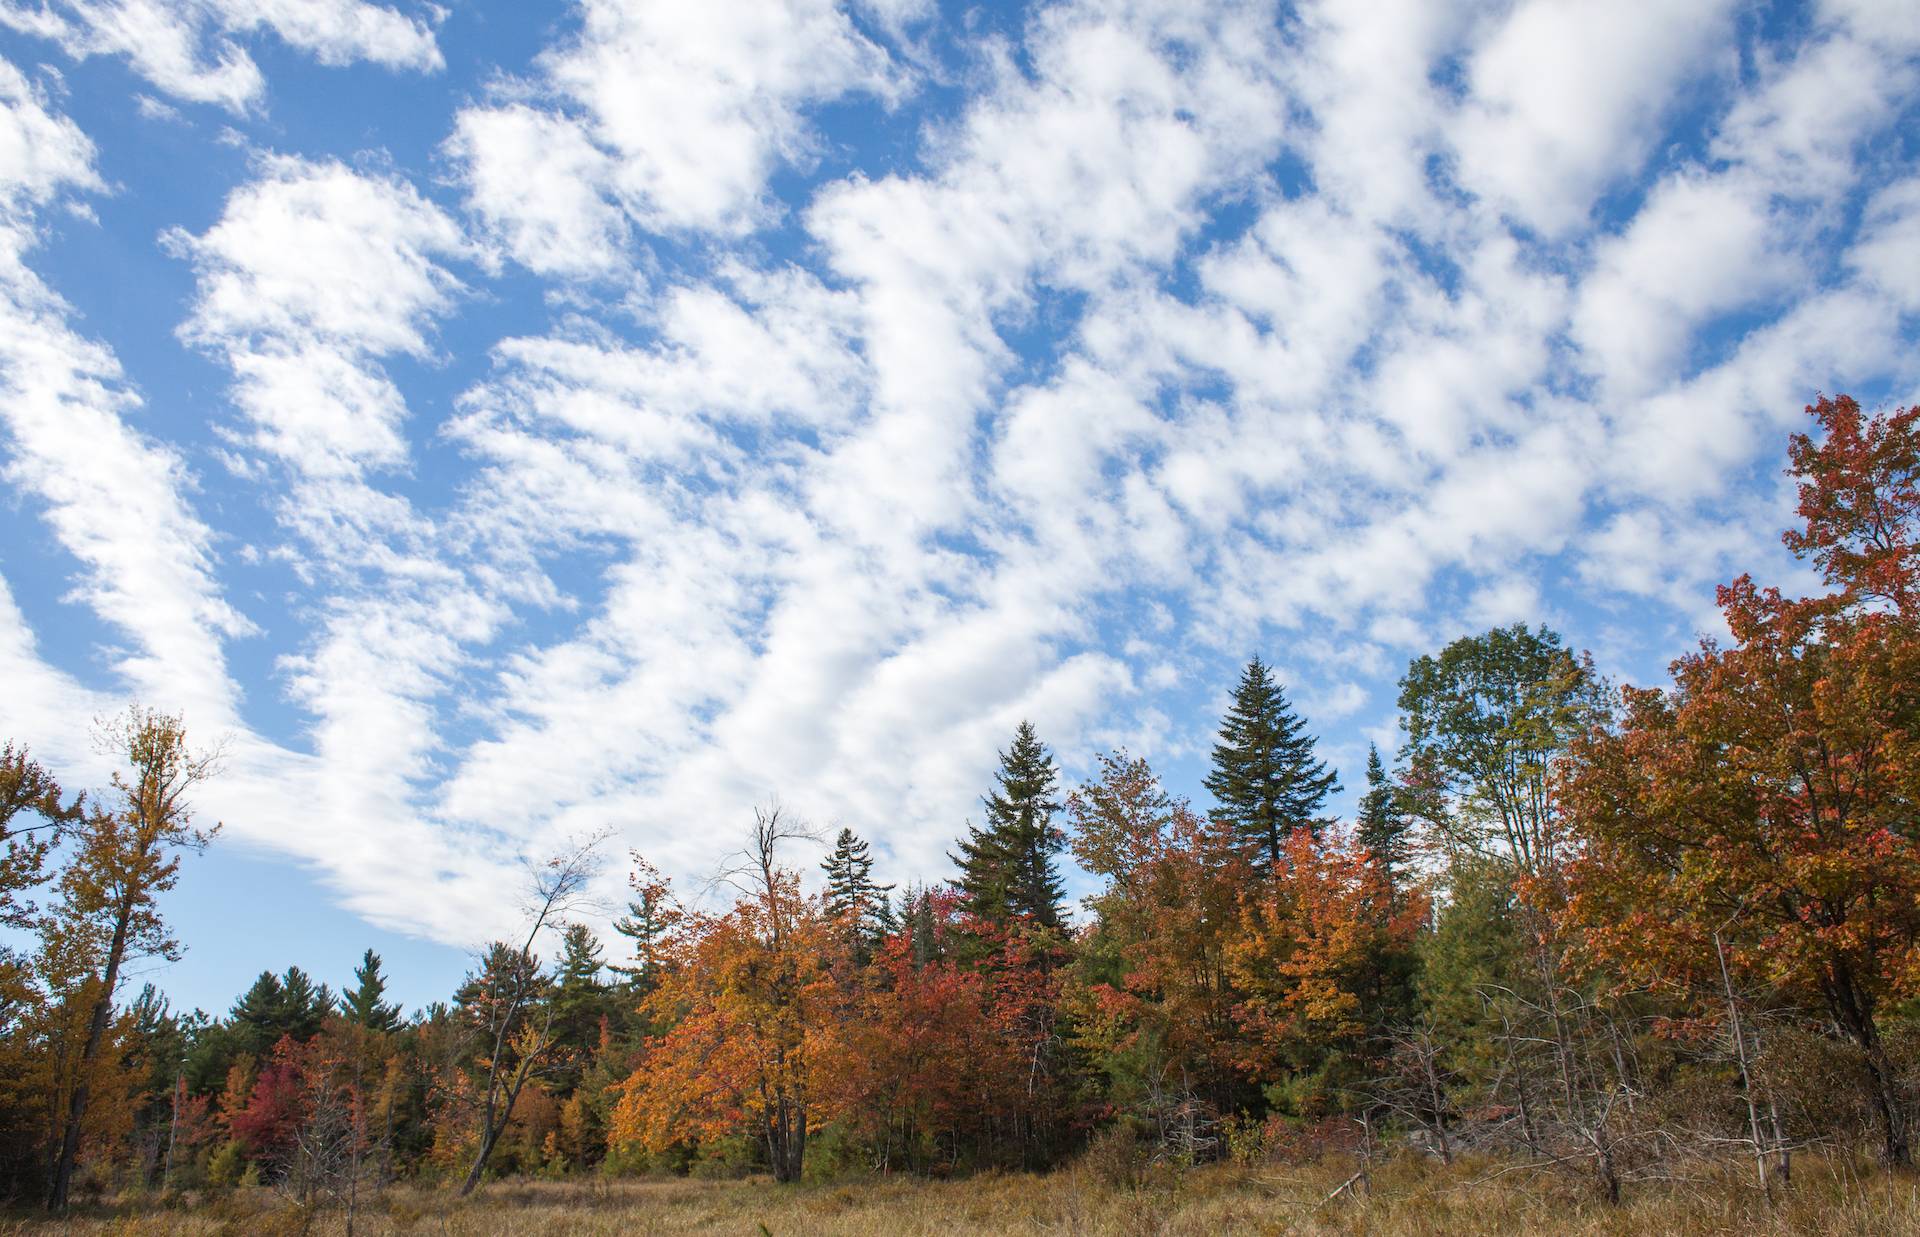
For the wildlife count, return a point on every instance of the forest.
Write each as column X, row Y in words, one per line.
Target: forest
column 1597, row 936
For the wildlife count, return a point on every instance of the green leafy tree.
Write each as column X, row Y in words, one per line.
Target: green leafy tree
column 1265, row 781
column 1486, row 719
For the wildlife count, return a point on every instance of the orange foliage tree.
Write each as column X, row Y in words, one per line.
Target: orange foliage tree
column 1762, row 806
column 920, row 1063
column 751, row 1000
column 1310, row 959
column 1154, row 1000
column 126, row 853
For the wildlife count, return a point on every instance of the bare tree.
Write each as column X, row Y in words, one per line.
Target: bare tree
column 754, row 872
column 520, row 1048
column 1416, row 1084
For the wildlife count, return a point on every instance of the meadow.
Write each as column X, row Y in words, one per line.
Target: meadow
column 1408, row 1195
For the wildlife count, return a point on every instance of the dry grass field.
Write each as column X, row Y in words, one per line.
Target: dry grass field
column 1829, row 1196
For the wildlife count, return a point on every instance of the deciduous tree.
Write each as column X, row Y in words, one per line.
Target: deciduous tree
column 1152, row 993
column 127, row 852
column 750, row 998
column 1764, row 803
column 1486, row 719
column 513, row 1027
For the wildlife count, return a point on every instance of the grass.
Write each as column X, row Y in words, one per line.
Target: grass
column 1831, row 1195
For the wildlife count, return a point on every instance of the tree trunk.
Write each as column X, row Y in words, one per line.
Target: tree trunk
column 1896, row 1150
column 1746, row 1075
column 1854, row 1017
column 488, row 1137
column 96, row 1031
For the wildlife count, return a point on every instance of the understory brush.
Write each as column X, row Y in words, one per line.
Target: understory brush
column 1833, row 1193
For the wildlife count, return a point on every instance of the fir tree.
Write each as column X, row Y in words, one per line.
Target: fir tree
column 364, row 1004
column 1007, row 868
column 1265, row 780
column 579, row 999
column 278, row 1005
column 852, row 897
column 1382, row 826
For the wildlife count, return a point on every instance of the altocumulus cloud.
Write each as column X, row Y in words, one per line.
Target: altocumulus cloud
column 619, row 420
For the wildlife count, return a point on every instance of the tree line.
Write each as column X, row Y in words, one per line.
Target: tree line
column 1593, row 930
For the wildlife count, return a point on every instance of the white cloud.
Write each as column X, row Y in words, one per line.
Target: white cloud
column 114, row 499
column 1566, row 95
column 313, row 270
column 1701, row 245
column 1887, row 255
column 313, row 276
column 538, row 183
column 672, row 116
column 187, row 48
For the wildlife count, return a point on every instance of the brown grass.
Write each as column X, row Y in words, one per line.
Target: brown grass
column 1832, row 1195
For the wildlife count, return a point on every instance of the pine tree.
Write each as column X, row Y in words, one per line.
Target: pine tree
column 1007, row 868
column 650, row 917
column 579, row 999
column 1382, row 826
column 852, row 897
column 307, row 1004
column 364, row 1005
column 1265, row 780
column 278, row 1005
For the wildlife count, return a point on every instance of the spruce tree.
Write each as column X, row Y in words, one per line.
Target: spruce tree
column 364, row 1004
column 852, row 897
column 1382, row 826
column 1007, row 868
column 1265, row 781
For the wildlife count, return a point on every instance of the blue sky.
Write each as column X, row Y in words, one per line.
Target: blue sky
column 501, row 422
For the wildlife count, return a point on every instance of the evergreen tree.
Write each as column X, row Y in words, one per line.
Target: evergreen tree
column 364, row 1005
column 1007, row 868
column 852, row 897
column 579, row 999
column 1265, row 780
column 1382, row 826
column 278, row 1005
column 926, row 941
column 649, row 917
